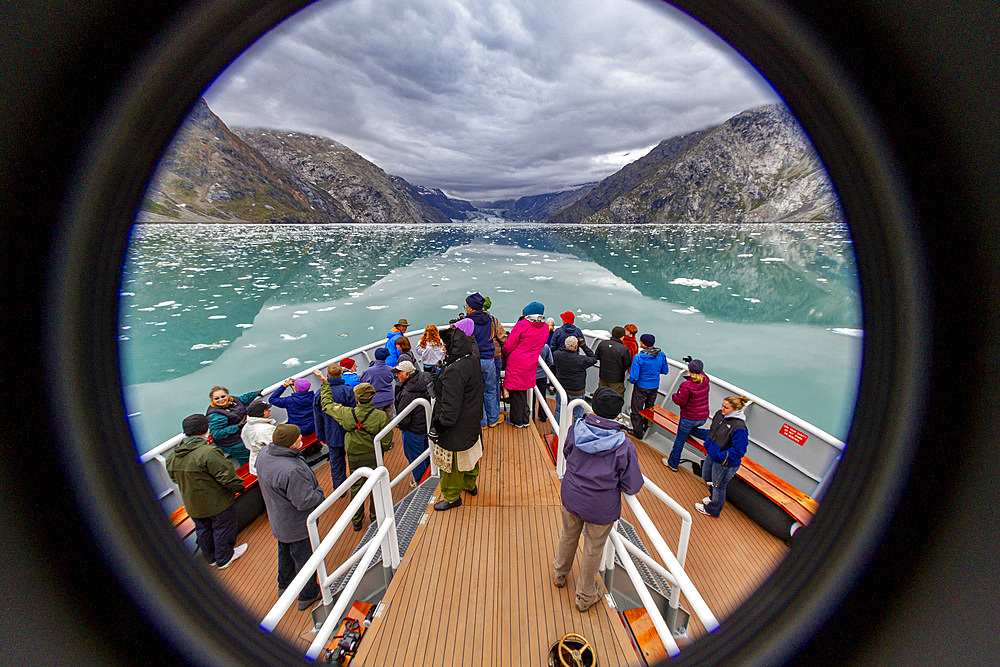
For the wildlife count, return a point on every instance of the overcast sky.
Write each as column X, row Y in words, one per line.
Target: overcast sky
column 487, row 99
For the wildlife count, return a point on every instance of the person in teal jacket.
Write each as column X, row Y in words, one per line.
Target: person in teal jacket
column 647, row 367
column 226, row 417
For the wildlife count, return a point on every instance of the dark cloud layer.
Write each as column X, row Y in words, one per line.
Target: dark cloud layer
column 490, row 98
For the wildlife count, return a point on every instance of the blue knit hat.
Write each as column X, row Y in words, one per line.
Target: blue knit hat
column 475, row 301
column 381, row 354
column 534, row 308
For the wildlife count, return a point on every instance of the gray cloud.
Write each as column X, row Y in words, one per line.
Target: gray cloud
column 490, row 98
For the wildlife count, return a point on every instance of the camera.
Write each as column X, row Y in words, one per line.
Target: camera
column 687, row 359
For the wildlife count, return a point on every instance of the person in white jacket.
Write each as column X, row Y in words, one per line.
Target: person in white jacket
column 258, row 430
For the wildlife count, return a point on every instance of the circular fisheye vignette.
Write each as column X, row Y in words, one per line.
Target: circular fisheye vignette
column 113, row 180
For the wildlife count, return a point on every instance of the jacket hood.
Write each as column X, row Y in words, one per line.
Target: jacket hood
column 459, row 345
column 653, row 351
column 189, row 444
column 260, row 420
column 737, row 414
column 595, row 434
column 479, row 317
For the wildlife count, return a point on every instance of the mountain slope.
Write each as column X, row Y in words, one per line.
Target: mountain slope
column 758, row 166
column 359, row 187
column 537, row 207
column 209, row 174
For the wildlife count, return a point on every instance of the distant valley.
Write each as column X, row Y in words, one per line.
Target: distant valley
column 756, row 167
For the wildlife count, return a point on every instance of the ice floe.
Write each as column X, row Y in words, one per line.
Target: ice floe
column 690, row 310
column 164, row 303
column 541, row 278
column 376, row 307
column 210, row 346
column 217, row 317
column 323, row 310
column 293, row 361
column 244, row 326
column 694, row 282
column 285, row 336
column 773, row 259
column 450, row 306
column 588, row 317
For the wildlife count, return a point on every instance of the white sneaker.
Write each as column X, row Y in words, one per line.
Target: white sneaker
column 237, row 552
column 706, row 500
column 701, row 508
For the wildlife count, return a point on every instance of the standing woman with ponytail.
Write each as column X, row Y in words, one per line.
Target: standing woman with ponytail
column 726, row 446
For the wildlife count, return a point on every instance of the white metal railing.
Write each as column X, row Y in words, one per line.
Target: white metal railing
column 376, row 485
column 563, row 426
column 428, row 407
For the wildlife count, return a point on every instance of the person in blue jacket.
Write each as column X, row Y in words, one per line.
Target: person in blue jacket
column 298, row 405
column 647, row 367
column 350, row 374
column 390, row 341
column 328, row 430
column 379, row 376
column 726, row 446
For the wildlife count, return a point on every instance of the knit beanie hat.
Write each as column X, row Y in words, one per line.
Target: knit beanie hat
column 607, row 403
column 647, row 339
column 465, row 325
column 195, row 425
column 364, row 392
column 534, row 308
column 382, row 354
column 475, row 301
column 347, row 363
column 568, row 317
column 487, row 303
column 257, row 407
column 285, row 435
column 618, row 332
column 302, row 384
column 696, row 366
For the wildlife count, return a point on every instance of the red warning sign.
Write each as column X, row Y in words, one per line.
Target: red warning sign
column 793, row 434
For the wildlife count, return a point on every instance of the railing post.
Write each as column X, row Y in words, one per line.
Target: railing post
column 647, row 600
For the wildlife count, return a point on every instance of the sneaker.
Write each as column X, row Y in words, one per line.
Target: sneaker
column 237, row 552
column 356, row 526
column 671, row 467
column 706, row 500
column 701, row 508
column 305, row 604
column 444, row 505
column 499, row 421
column 522, row 425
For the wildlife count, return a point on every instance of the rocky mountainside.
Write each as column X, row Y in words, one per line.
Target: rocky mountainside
column 209, row 174
column 758, row 166
column 537, row 207
column 362, row 189
column 455, row 209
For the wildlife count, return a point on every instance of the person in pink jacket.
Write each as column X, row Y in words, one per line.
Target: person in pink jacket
column 521, row 350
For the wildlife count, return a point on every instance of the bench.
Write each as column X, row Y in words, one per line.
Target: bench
column 793, row 502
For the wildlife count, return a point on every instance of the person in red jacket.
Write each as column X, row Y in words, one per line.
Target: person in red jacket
column 629, row 340
column 692, row 397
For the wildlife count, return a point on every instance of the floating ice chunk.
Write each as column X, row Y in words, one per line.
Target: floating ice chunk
column 450, row 306
column 773, row 259
column 541, row 278
column 505, row 291
column 275, row 307
column 244, row 326
column 745, row 254
column 301, row 312
column 694, row 282
column 690, row 310
column 285, row 336
column 211, row 307
column 249, row 345
column 371, row 328
column 210, row 346
column 206, row 362
column 589, row 317
column 751, row 299
column 376, row 307
column 822, row 280
column 126, row 294
column 217, row 317
column 854, row 333
column 164, row 303
column 323, row 310
column 293, row 361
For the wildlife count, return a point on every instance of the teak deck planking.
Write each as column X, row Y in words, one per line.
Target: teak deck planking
column 496, row 552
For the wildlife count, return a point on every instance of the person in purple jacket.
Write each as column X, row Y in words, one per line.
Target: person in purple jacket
column 298, row 404
column 601, row 465
column 380, row 377
column 692, row 398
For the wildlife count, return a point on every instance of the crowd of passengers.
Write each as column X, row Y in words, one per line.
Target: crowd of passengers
column 460, row 367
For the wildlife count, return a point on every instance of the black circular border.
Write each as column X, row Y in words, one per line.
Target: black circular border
column 845, row 104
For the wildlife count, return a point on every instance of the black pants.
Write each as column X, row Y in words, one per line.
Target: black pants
column 291, row 557
column 519, row 406
column 641, row 399
column 543, row 386
column 216, row 535
column 338, row 464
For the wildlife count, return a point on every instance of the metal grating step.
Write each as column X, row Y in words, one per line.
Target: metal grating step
column 652, row 579
column 408, row 511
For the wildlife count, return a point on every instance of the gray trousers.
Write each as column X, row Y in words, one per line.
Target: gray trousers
column 588, row 588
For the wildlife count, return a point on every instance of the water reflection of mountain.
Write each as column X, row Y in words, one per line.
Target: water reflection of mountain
column 188, row 289
column 755, row 273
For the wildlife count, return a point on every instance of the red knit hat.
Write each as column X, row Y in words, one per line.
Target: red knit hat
column 347, row 363
column 568, row 317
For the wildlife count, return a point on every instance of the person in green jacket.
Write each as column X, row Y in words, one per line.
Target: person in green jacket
column 361, row 423
column 208, row 484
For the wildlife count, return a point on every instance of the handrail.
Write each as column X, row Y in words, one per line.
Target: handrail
column 563, row 422
column 678, row 509
column 417, row 402
column 375, row 485
column 647, row 600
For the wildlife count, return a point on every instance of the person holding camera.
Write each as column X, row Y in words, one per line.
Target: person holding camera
column 692, row 398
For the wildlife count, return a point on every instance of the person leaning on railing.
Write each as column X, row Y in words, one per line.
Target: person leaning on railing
column 361, row 423
column 601, row 465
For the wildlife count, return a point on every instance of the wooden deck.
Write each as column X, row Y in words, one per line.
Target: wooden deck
column 474, row 586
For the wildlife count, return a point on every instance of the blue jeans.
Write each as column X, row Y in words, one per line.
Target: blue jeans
column 578, row 411
column 685, row 427
column 415, row 444
column 719, row 475
column 491, row 403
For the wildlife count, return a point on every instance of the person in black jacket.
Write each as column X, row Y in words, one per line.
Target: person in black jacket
column 571, row 371
column 455, row 421
column 412, row 384
column 615, row 360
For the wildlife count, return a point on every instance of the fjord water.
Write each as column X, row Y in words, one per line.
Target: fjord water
column 773, row 308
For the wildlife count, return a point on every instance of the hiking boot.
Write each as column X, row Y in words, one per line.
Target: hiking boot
column 474, row 491
column 305, row 604
column 237, row 552
column 501, row 419
column 559, row 581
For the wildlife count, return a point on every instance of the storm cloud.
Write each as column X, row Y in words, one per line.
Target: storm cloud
column 487, row 99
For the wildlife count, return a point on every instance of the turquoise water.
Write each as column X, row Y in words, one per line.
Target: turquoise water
column 774, row 309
